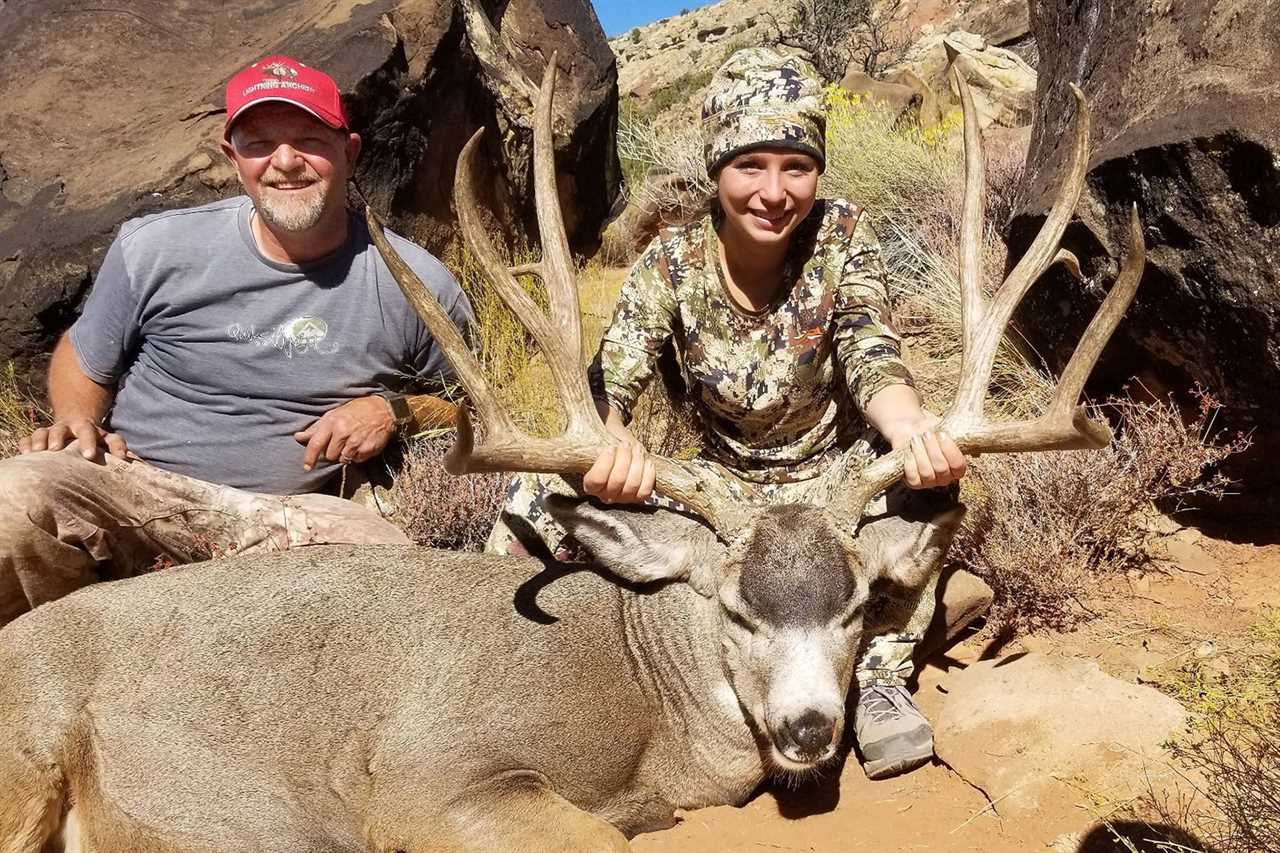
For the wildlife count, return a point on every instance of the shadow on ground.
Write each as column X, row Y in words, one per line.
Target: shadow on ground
column 1130, row 836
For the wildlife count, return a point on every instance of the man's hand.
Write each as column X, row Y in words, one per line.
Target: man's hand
column 621, row 474
column 356, row 431
column 60, row 433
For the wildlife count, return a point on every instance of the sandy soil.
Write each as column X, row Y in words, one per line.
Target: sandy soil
column 1205, row 590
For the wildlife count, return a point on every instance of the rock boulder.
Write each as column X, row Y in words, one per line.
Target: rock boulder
column 1185, row 100
column 899, row 100
column 1027, row 727
column 113, row 113
column 1003, row 84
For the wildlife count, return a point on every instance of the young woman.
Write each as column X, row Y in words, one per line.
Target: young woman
column 777, row 307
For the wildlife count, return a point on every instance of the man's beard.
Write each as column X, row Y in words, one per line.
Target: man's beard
column 292, row 212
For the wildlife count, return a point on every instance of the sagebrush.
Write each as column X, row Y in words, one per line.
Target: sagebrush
column 435, row 508
column 1230, row 758
column 1239, row 761
column 1045, row 529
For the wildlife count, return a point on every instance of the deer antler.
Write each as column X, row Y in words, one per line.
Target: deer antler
column 1064, row 425
column 504, row 446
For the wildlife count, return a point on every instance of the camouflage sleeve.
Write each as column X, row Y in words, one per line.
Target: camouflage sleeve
column 867, row 345
column 642, row 323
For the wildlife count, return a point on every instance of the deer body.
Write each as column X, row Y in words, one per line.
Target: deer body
column 350, row 699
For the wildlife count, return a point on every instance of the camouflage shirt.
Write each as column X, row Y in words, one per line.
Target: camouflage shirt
column 779, row 392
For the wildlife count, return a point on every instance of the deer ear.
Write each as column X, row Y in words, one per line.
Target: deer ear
column 643, row 544
column 907, row 551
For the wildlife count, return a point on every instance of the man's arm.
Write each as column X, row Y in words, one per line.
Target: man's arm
column 360, row 429
column 426, row 411
column 79, row 407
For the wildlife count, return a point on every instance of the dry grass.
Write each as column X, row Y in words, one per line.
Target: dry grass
column 19, row 412
column 676, row 152
column 897, row 172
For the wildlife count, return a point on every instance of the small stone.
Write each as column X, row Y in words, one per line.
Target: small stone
column 1220, row 666
column 1206, row 650
column 1069, row 843
column 1189, row 535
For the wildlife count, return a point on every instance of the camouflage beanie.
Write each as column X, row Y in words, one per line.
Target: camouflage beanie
column 760, row 97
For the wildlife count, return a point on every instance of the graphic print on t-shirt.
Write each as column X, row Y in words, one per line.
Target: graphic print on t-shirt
column 299, row 336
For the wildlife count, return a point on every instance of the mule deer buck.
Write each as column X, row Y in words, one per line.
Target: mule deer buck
column 394, row 699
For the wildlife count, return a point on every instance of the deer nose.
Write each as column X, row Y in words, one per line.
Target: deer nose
column 811, row 731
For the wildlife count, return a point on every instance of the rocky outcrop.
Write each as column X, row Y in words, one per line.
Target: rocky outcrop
column 1185, row 100
column 930, row 111
column 1002, row 23
column 904, row 95
column 693, row 43
column 897, row 99
column 1003, row 84
column 112, row 113
column 1022, row 728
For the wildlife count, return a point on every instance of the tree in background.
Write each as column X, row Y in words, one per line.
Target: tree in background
column 835, row 33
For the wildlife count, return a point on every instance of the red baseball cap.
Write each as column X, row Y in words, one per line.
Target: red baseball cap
column 285, row 79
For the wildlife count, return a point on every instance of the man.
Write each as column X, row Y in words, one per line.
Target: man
column 230, row 361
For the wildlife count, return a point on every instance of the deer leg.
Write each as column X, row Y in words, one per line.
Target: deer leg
column 31, row 800
column 534, row 819
column 516, row 813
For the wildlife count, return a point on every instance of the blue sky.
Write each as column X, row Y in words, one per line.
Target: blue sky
column 618, row 16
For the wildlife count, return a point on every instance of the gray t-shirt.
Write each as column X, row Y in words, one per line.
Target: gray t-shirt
column 221, row 354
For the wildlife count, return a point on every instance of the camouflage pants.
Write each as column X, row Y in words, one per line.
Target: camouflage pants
column 895, row 622
column 66, row 522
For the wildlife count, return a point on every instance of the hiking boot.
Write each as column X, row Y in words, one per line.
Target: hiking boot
column 893, row 736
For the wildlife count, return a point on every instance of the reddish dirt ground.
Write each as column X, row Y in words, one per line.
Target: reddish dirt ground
column 1203, row 590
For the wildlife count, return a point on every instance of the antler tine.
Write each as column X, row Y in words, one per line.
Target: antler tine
column 1104, row 322
column 557, row 268
column 710, row 491
column 973, row 303
column 559, row 335
column 444, row 333
column 1064, row 425
column 984, row 321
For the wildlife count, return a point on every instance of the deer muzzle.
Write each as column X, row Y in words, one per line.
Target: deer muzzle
column 804, row 705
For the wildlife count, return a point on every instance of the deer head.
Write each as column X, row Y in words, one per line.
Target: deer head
column 790, row 581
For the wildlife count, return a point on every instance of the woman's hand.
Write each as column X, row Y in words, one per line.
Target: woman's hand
column 933, row 459
column 621, row 474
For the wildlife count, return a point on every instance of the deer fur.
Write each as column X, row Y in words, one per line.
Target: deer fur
column 403, row 699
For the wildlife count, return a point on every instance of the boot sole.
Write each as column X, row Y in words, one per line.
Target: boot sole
column 905, row 754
